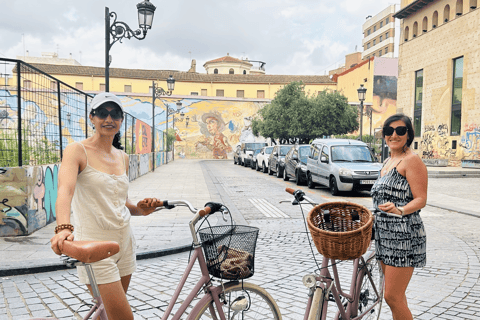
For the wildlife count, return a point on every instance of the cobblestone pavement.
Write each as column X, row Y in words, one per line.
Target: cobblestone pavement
column 447, row 288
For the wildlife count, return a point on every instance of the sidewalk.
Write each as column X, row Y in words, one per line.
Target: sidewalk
column 166, row 232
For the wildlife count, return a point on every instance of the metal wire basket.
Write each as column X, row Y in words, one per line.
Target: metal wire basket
column 230, row 250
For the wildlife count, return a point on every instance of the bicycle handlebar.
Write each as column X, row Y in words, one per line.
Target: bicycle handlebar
column 290, row 190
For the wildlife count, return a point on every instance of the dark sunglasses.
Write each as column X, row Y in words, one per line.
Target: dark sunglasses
column 115, row 114
column 401, row 131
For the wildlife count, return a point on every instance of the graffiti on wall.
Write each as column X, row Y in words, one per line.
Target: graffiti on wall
column 44, row 196
column 144, row 137
column 436, row 143
column 13, row 200
column 470, row 141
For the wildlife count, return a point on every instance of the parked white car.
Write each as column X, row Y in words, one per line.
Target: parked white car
column 262, row 159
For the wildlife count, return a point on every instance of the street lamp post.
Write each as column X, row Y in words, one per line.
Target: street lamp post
column 119, row 30
column 361, row 97
column 158, row 92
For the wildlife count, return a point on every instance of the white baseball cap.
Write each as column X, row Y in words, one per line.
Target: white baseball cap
column 103, row 97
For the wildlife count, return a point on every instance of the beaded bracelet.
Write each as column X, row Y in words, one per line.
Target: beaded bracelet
column 64, row 226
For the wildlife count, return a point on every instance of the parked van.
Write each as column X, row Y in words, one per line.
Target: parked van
column 246, row 149
column 341, row 165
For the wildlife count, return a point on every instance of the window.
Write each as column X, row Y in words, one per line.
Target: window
column 220, row 93
column 374, row 42
column 459, row 10
column 373, row 55
column 240, row 94
column 415, row 29
column 405, row 33
column 215, row 71
column 368, row 32
column 454, row 144
column 79, row 85
column 381, row 24
column 380, row 53
column 261, row 94
column 386, row 50
column 381, row 38
column 244, row 71
column 231, row 71
column 425, row 24
column 457, row 96
column 374, row 28
column 325, row 152
column 204, row 92
column 27, row 84
column 446, row 13
column 368, row 45
column 417, row 109
column 127, row 88
column 415, row 145
column 102, row 87
column 194, row 93
column 387, row 21
column 435, row 19
column 386, row 36
column 473, row 4
column 150, row 89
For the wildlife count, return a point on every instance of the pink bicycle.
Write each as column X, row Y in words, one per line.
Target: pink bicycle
column 225, row 255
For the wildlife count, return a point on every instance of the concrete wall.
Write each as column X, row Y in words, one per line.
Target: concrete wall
column 433, row 52
column 29, row 193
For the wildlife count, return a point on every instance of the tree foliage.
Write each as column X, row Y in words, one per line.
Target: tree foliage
column 171, row 136
column 293, row 116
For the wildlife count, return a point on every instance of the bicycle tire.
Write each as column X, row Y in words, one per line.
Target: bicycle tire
column 262, row 305
column 366, row 296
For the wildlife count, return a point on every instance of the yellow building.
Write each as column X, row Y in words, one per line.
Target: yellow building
column 438, row 84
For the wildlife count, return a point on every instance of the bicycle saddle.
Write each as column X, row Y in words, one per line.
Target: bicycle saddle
column 90, row 251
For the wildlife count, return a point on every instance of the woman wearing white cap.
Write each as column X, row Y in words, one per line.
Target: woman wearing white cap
column 93, row 184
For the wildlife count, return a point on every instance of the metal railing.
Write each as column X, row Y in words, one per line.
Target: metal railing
column 40, row 115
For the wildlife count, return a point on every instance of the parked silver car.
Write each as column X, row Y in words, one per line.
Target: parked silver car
column 341, row 165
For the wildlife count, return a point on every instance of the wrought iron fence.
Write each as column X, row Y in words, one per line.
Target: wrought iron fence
column 40, row 115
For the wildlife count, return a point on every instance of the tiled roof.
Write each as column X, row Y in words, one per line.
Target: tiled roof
column 228, row 59
column 412, row 8
column 335, row 76
column 178, row 75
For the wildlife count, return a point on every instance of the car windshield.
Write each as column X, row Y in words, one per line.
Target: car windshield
column 268, row 150
column 284, row 150
column 253, row 146
column 351, row 154
column 257, row 151
column 303, row 152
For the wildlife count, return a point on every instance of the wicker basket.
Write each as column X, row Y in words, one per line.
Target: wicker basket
column 340, row 230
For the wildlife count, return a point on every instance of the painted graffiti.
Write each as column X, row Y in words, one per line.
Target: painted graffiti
column 133, row 167
column 471, row 143
column 436, row 143
column 144, row 137
column 13, row 215
column 145, row 164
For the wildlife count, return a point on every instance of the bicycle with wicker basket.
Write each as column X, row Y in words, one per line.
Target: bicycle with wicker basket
column 342, row 233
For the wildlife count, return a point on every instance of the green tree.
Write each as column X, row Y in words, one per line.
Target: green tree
column 294, row 116
column 171, row 136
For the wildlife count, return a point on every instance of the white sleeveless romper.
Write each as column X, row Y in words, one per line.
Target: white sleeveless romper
column 99, row 213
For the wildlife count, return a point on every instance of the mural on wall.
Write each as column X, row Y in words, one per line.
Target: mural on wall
column 144, row 137
column 212, row 126
column 384, row 100
column 436, row 143
column 13, row 200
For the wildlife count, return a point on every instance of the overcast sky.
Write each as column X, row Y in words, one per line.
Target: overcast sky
column 305, row 37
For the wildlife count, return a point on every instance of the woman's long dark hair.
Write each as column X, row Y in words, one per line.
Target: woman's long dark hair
column 116, row 140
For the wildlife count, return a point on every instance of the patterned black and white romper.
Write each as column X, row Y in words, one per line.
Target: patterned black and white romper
column 399, row 242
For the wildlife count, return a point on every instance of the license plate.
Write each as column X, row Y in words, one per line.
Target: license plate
column 367, row 181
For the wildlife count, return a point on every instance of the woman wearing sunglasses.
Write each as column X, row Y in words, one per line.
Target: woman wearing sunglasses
column 93, row 184
column 399, row 194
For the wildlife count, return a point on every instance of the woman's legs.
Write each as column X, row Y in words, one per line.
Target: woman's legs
column 396, row 282
column 115, row 300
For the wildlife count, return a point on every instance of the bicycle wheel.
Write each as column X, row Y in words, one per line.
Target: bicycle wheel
column 260, row 304
column 367, row 296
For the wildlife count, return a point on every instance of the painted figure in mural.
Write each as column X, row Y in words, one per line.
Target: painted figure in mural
column 93, row 183
column 214, row 139
column 400, row 240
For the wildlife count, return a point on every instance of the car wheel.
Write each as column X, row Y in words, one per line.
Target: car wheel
column 252, row 165
column 285, row 176
column 264, row 168
column 310, row 183
column 242, row 163
column 297, row 178
column 234, row 160
column 257, row 167
column 333, row 186
column 278, row 173
column 270, row 172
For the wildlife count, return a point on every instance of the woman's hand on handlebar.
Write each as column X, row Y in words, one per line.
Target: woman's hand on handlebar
column 58, row 239
column 147, row 206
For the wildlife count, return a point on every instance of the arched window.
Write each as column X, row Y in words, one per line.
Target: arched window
column 244, row 71
column 405, row 33
column 425, row 24
column 435, row 19
column 446, row 13
column 459, row 10
column 473, row 4
column 231, row 71
column 415, row 29
column 215, row 71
